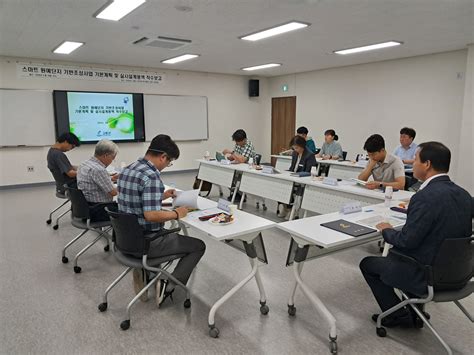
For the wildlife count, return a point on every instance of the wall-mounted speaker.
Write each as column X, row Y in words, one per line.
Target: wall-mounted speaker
column 253, row 88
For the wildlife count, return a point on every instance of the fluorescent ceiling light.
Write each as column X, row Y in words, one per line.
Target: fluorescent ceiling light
column 117, row 9
column 180, row 58
column 263, row 66
column 370, row 47
column 67, row 47
column 287, row 27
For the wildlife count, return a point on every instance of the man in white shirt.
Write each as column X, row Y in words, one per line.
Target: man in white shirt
column 407, row 148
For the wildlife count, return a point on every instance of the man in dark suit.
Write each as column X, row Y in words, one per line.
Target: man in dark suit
column 439, row 210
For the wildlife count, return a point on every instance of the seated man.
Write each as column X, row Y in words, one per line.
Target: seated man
column 303, row 132
column 63, row 172
column 243, row 149
column 406, row 150
column 141, row 192
column 95, row 182
column 439, row 210
column 386, row 169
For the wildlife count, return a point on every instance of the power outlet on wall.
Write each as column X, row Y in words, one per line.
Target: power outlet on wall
column 30, row 169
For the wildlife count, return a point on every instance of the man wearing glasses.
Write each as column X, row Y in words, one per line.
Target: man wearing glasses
column 141, row 192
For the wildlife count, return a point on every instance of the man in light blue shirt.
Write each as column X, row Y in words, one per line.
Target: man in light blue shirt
column 407, row 149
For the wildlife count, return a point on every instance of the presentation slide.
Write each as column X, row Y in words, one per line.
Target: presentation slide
column 95, row 116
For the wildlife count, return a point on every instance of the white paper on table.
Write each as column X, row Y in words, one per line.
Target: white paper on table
column 186, row 198
column 374, row 220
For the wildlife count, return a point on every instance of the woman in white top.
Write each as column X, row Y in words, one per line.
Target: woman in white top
column 330, row 149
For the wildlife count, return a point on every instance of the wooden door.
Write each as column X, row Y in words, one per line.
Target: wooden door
column 283, row 123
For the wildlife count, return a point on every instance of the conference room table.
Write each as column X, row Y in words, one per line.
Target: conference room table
column 310, row 240
column 244, row 234
column 312, row 195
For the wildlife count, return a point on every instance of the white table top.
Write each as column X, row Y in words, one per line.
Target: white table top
column 244, row 223
column 354, row 188
column 310, row 229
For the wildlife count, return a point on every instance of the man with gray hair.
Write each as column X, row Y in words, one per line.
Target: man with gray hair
column 95, row 182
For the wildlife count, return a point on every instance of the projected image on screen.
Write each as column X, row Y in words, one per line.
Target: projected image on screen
column 94, row 116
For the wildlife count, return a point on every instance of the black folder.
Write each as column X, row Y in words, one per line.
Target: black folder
column 350, row 228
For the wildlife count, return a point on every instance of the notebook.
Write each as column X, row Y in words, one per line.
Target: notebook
column 220, row 156
column 350, row 228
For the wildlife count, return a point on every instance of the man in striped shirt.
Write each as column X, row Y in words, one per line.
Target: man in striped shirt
column 141, row 192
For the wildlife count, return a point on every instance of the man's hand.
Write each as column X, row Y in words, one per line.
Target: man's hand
column 182, row 211
column 372, row 185
column 326, row 156
column 114, row 177
column 383, row 225
column 169, row 193
column 226, row 151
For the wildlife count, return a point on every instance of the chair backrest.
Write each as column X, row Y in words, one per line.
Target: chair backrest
column 257, row 159
column 79, row 205
column 129, row 235
column 453, row 265
column 344, row 155
column 409, row 181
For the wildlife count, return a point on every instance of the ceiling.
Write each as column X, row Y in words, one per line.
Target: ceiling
column 33, row 28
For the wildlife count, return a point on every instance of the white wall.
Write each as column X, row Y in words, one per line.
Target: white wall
column 229, row 108
column 421, row 92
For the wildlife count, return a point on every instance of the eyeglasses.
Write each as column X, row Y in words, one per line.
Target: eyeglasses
column 165, row 154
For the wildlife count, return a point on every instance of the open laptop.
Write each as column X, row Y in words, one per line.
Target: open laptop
column 220, row 156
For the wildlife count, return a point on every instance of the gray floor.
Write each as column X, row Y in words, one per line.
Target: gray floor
column 46, row 308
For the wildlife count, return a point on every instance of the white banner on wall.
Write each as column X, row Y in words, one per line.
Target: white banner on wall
column 54, row 71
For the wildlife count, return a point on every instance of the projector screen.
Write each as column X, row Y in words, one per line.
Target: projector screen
column 93, row 116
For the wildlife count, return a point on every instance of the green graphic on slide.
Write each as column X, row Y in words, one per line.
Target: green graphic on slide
column 72, row 129
column 123, row 122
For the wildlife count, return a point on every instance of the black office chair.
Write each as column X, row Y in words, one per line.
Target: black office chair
column 131, row 246
column 61, row 194
column 409, row 182
column 80, row 218
column 448, row 278
column 344, row 155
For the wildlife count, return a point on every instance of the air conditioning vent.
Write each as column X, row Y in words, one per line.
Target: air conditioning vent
column 162, row 42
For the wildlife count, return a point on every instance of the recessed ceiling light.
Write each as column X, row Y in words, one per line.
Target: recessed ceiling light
column 116, row 9
column 67, row 47
column 180, row 58
column 263, row 66
column 370, row 47
column 287, row 27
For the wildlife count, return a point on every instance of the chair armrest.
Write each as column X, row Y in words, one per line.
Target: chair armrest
column 161, row 233
column 426, row 268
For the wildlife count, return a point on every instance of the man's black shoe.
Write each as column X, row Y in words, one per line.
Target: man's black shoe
column 405, row 321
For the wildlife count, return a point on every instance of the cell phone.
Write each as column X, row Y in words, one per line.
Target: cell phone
column 399, row 209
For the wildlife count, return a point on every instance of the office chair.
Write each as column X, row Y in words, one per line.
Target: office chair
column 409, row 182
column 80, row 218
column 131, row 246
column 60, row 195
column 344, row 155
column 448, row 279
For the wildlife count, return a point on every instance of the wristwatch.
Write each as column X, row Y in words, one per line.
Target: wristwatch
column 380, row 185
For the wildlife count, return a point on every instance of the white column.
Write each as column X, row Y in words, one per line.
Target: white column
column 465, row 171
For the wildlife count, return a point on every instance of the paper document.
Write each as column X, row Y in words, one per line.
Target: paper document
column 360, row 182
column 374, row 220
column 186, row 198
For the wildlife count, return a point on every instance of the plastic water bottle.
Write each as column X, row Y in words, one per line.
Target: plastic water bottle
column 314, row 173
column 250, row 163
column 388, row 195
column 207, row 155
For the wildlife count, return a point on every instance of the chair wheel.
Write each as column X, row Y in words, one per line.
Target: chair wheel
column 125, row 324
column 381, row 332
column 107, row 248
column 187, row 303
column 264, row 309
column 65, row 260
column 214, row 332
column 333, row 346
column 55, row 227
column 77, row 269
column 257, row 205
column 291, row 310
column 103, row 307
column 48, row 221
column 264, row 207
